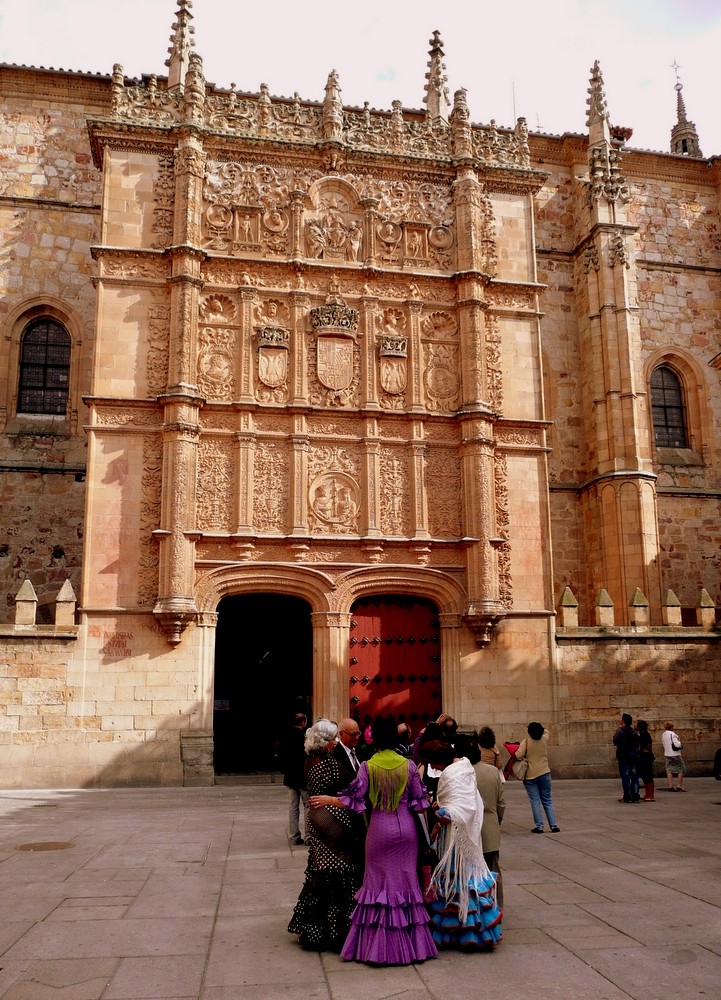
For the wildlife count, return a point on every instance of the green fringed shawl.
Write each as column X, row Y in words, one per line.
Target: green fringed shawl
column 388, row 779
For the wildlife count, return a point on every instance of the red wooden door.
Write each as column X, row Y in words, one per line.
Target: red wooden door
column 395, row 660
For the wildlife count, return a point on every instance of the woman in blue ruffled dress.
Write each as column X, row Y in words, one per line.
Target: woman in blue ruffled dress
column 464, row 912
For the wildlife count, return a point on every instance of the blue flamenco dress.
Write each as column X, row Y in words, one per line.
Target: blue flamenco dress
column 462, row 903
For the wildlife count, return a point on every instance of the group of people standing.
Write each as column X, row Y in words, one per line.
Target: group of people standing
column 635, row 756
column 361, row 895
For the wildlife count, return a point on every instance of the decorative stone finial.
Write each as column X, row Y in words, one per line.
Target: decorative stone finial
column 332, row 108
column 437, row 100
column 181, row 45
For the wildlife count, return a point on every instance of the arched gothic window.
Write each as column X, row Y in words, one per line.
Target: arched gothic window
column 668, row 409
column 44, row 368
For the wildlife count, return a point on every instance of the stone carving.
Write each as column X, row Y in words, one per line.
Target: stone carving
column 618, row 251
column 440, row 326
column 291, row 120
column 151, row 491
column 270, row 487
column 494, row 369
column 333, row 492
column 273, row 348
column 217, row 308
column 157, row 359
column 215, row 484
column 337, row 358
column 392, row 354
column 394, row 478
column 335, row 232
column 590, row 257
column 505, row 580
column 443, row 482
column 216, row 363
column 441, row 377
column 245, row 208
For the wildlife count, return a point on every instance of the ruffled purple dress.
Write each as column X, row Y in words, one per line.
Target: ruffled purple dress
column 390, row 924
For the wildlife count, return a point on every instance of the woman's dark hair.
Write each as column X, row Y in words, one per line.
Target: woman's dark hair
column 433, row 731
column 467, row 746
column 437, row 752
column 384, row 732
column 535, row 730
column 486, row 738
column 642, row 726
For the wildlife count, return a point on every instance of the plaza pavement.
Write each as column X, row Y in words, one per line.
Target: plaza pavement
column 185, row 893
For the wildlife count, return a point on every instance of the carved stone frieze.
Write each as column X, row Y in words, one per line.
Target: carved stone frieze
column 151, row 491
column 443, row 485
column 503, row 533
column 292, row 120
column 270, row 486
column 394, row 503
column 116, row 416
column 158, row 340
column 215, row 489
column 494, row 370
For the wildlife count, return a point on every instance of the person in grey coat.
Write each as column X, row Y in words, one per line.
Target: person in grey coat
column 490, row 786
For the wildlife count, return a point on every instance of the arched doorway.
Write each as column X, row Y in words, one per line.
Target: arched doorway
column 395, row 659
column 263, row 670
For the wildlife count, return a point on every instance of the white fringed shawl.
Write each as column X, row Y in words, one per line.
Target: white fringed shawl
column 462, row 858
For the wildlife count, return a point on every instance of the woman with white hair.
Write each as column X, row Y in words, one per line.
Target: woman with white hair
column 321, row 917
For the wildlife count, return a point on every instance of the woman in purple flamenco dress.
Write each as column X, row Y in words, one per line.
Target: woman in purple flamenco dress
column 389, row 925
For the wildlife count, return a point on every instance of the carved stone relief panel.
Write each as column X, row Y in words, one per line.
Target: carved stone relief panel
column 392, row 358
column 334, row 494
column 164, row 199
column 216, row 363
column 151, row 491
column 333, row 228
column 216, row 478
column 394, row 503
column 217, row 347
column 443, row 484
column 246, row 209
column 441, row 362
column 272, row 351
column 271, row 464
column 334, row 357
column 503, row 529
column 157, row 357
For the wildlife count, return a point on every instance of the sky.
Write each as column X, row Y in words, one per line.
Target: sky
column 527, row 58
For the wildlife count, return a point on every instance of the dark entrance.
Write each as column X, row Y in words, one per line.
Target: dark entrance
column 263, row 671
column 395, row 659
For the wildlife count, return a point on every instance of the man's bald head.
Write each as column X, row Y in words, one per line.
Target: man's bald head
column 349, row 733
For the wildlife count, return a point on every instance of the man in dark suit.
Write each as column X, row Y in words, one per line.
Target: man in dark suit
column 345, row 749
column 345, row 753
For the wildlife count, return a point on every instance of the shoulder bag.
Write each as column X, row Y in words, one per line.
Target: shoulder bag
column 676, row 744
column 519, row 768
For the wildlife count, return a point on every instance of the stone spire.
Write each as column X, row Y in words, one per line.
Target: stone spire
column 437, row 100
column 684, row 137
column 181, row 45
column 604, row 155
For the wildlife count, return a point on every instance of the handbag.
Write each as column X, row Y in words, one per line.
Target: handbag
column 519, row 769
column 676, row 745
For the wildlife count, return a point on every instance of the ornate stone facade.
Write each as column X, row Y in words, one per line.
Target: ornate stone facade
column 333, row 353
